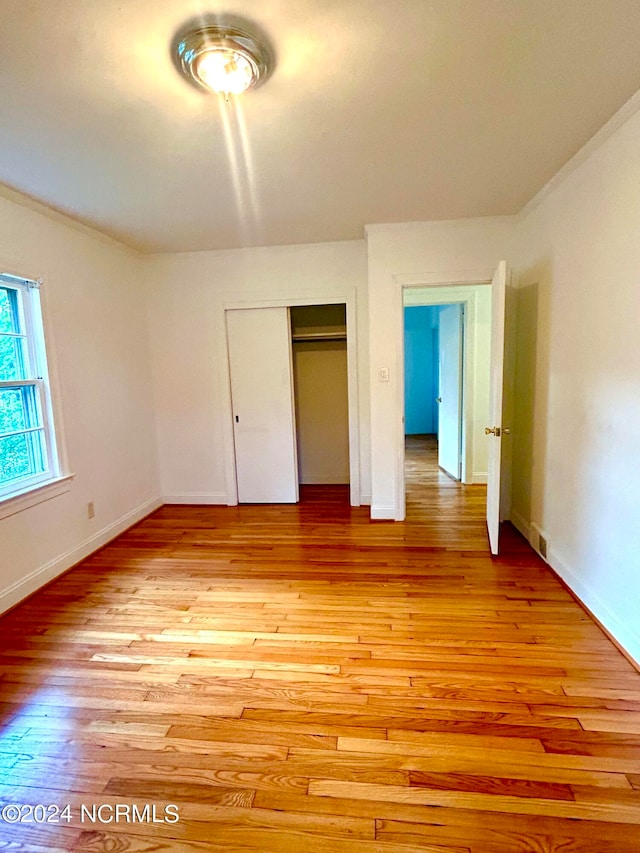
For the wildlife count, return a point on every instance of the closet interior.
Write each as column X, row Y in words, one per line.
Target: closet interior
column 319, row 348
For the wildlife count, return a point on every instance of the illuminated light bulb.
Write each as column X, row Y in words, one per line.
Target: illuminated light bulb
column 225, row 72
column 224, row 60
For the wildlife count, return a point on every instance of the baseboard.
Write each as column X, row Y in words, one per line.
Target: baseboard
column 627, row 640
column 522, row 525
column 16, row 592
column 365, row 499
column 621, row 634
column 212, row 498
column 383, row 513
column 479, row 478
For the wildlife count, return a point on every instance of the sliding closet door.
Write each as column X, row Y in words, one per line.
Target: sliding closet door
column 259, row 341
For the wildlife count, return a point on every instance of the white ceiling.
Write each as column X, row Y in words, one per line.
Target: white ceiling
column 377, row 111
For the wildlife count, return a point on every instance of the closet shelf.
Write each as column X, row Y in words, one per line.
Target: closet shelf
column 328, row 333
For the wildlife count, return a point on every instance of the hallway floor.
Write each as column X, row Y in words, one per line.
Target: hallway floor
column 440, row 509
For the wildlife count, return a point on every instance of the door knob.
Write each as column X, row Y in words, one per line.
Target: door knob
column 492, row 431
column 438, row 399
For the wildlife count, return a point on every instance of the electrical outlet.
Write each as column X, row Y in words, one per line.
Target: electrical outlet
column 91, row 510
column 542, row 546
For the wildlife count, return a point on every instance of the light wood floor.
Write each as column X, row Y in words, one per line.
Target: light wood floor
column 441, row 511
column 296, row 678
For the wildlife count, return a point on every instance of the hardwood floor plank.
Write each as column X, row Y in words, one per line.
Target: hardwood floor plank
column 258, row 736
column 475, row 741
column 462, row 722
column 483, row 840
column 621, row 721
column 617, row 812
column 490, row 785
column 499, row 757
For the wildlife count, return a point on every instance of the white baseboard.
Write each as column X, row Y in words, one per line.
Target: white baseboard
column 624, row 635
column 479, row 478
column 383, row 513
column 365, row 499
column 19, row 590
column 212, row 498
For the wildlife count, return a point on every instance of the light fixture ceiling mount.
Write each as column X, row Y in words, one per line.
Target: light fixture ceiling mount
column 222, row 59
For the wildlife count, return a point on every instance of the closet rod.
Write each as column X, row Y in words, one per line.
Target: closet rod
column 319, row 336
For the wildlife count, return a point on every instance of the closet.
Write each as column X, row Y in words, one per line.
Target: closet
column 319, row 347
column 289, row 392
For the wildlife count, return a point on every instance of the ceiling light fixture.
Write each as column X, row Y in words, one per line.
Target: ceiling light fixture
column 222, row 59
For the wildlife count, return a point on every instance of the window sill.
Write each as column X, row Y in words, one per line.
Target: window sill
column 19, row 501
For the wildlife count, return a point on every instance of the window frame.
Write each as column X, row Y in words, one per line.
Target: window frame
column 36, row 375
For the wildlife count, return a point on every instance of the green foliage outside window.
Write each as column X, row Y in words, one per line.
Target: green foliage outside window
column 20, row 455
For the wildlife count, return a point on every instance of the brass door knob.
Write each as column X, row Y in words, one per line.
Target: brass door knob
column 492, row 431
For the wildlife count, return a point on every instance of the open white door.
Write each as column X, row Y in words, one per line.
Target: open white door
column 450, row 391
column 495, row 429
column 259, row 341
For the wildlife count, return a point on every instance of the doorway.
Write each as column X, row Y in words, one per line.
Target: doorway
column 473, row 301
column 433, row 380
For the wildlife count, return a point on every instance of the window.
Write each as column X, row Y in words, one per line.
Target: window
column 28, row 454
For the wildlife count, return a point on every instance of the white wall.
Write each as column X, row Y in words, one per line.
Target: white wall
column 577, row 463
column 186, row 298
column 94, row 311
column 412, row 254
column 477, row 331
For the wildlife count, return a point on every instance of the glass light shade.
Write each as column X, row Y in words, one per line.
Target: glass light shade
column 222, row 59
column 225, row 71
